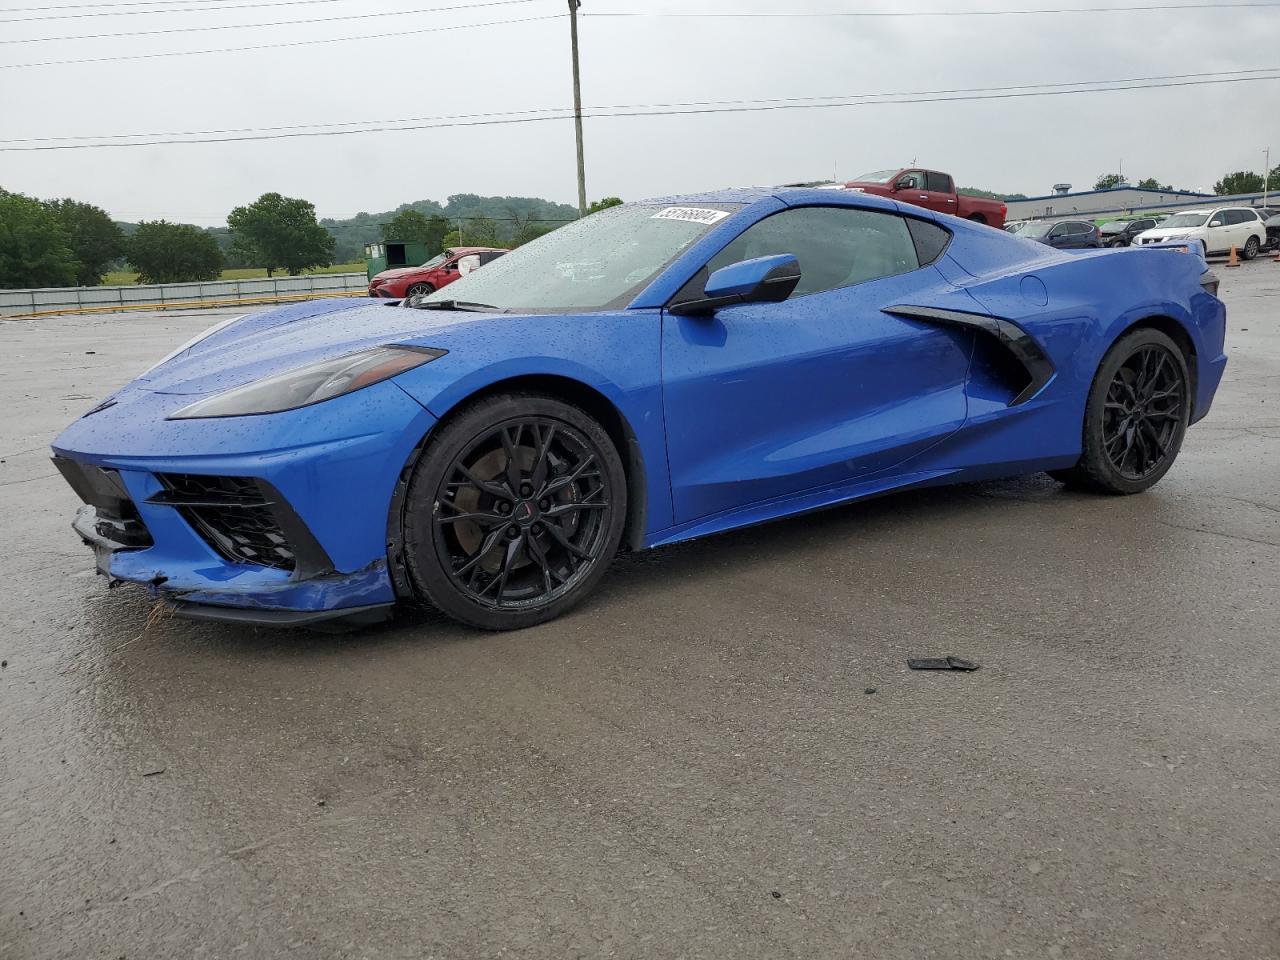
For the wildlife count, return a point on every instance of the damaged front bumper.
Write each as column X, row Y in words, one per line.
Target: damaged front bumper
column 256, row 527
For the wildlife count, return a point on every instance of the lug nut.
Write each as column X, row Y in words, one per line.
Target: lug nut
column 544, row 504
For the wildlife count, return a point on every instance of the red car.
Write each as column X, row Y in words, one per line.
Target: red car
column 931, row 189
column 439, row 271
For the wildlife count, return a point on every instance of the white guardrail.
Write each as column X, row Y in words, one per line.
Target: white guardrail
column 160, row 296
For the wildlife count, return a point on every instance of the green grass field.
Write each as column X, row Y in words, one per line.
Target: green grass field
column 124, row 278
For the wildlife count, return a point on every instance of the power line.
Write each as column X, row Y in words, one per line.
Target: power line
column 648, row 106
column 277, row 23
column 650, row 113
column 218, row 7
column 275, row 46
column 943, row 13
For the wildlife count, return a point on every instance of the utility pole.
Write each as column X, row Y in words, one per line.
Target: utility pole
column 577, row 107
column 1266, row 173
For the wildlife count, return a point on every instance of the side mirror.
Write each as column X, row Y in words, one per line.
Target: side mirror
column 762, row 280
column 1217, row 223
column 902, row 183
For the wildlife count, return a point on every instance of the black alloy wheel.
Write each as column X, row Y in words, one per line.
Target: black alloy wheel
column 514, row 512
column 1136, row 416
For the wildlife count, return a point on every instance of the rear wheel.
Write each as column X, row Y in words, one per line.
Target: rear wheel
column 1251, row 248
column 514, row 511
column 1136, row 416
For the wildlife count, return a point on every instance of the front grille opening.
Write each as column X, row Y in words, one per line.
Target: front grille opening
column 232, row 515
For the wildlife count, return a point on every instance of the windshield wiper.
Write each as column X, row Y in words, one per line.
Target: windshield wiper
column 458, row 305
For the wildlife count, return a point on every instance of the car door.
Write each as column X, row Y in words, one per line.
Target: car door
column 911, row 188
column 1059, row 236
column 766, row 400
column 1246, row 225
column 1218, row 233
column 940, row 191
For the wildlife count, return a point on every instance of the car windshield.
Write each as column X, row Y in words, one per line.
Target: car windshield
column 1185, row 220
column 598, row 262
column 879, row 176
column 435, row 261
column 1034, row 230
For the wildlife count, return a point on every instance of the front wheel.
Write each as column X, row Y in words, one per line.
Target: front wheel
column 1251, row 248
column 419, row 290
column 1115, row 243
column 514, row 511
column 1136, row 416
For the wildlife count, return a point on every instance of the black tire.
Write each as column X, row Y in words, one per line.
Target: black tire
column 517, row 490
column 1136, row 416
column 1115, row 243
column 1251, row 248
column 419, row 290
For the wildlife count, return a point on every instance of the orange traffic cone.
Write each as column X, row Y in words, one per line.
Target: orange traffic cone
column 1233, row 260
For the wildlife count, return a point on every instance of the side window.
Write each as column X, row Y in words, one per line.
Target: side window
column 929, row 238
column 939, row 182
column 1246, row 216
column 1080, row 228
column 1218, row 219
column 836, row 246
column 468, row 263
column 913, row 179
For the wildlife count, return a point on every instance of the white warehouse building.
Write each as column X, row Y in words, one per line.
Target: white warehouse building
column 1122, row 201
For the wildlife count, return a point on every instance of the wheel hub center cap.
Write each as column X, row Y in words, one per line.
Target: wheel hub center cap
column 525, row 512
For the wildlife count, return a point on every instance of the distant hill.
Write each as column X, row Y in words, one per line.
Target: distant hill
column 352, row 234
column 988, row 195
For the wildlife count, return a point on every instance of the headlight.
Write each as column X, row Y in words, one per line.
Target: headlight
column 192, row 342
column 313, row 383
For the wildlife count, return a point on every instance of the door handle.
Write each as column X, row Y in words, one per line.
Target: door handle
column 950, row 201
column 924, row 196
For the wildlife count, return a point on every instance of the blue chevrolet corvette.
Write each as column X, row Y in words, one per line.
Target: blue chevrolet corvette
column 651, row 373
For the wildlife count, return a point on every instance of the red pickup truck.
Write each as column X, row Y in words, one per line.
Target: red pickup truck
column 929, row 188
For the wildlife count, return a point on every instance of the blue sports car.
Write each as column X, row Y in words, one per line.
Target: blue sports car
column 654, row 372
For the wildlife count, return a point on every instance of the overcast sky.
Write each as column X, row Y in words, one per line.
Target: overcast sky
column 1185, row 136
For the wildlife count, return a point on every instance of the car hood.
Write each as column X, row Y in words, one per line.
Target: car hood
column 263, row 344
column 397, row 273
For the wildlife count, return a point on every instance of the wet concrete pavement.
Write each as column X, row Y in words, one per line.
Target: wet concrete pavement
column 690, row 765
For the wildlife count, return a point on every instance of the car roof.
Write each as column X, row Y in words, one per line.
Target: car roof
column 792, row 196
column 465, row 250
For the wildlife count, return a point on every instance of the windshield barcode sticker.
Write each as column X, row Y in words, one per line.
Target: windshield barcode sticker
column 691, row 214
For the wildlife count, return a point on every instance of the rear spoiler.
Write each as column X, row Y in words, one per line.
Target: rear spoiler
column 1178, row 246
column 1208, row 279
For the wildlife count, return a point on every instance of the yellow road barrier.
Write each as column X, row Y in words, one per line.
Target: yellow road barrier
column 185, row 304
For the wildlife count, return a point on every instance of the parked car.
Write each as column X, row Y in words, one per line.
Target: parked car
column 738, row 357
column 1013, row 226
column 441, row 270
column 1063, row 234
column 1272, row 226
column 931, row 190
column 1120, row 233
column 1217, row 231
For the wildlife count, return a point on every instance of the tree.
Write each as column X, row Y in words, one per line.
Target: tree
column 475, row 232
column 604, row 204
column 1108, row 180
column 34, row 251
column 1273, row 179
column 94, row 237
column 173, row 253
column 1242, row 181
column 1151, row 183
column 411, row 225
column 280, row 232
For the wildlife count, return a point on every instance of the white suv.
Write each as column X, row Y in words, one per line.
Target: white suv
column 1216, row 230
